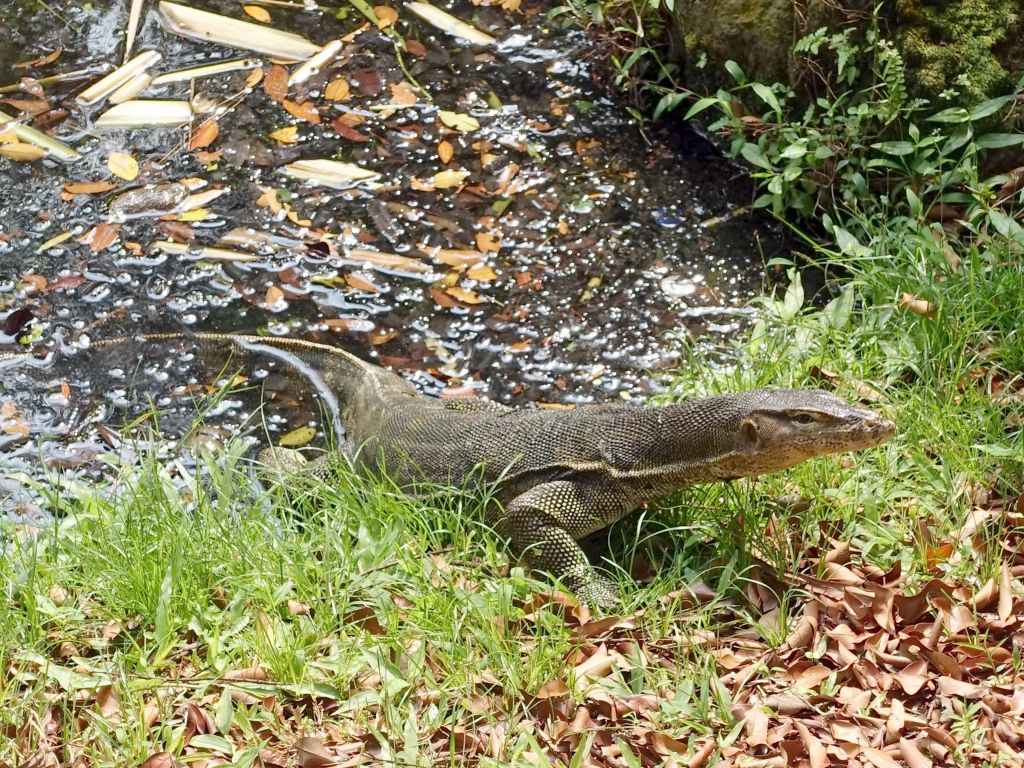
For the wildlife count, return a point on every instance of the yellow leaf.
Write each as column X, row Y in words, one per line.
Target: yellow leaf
column 297, row 437
column 269, row 199
column 289, row 135
column 337, row 90
column 488, row 242
column 403, row 94
column 464, row 295
column 22, row 152
column 481, row 272
column 445, row 151
column 197, row 214
column 123, row 165
column 56, row 240
column 459, row 121
column 258, row 13
column 274, row 295
column 386, row 15
column 451, row 178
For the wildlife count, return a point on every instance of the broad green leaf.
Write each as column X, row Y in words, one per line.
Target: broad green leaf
column 898, row 148
column 736, row 71
column 999, row 140
column 756, row 156
column 212, row 742
column 990, row 107
column 700, row 105
column 767, row 96
column 951, row 115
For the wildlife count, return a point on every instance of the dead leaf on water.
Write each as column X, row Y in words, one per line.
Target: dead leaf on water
column 22, row 153
column 297, row 437
column 445, row 151
column 42, row 61
column 449, row 178
column 101, row 236
column 89, row 187
column 458, row 121
column 123, row 165
column 286, row 135
column 488, row 242
column 481, row 272
column 303, row 110
column 386, row 15
column 204, row 135
column 275, row 84
column 464, row 295
column 274, row 295
column 257, row 12
column 338, row 90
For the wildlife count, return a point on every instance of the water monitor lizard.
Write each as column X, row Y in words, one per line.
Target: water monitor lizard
column 560, row 474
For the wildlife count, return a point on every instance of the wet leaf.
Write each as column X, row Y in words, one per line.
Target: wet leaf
column 204, row 135
column 22, row 153
column 488, row 242
column 287, row 135
column 459, row 121
column 386, row 15
column 338, row 90
column 274, row 295
column 445, row 151
column 449, row 178
column 101, row 236
column 304, row 110
column 11, row 422
column 297, row 437
column 42, row 61
column 362, row 283
column 464, row 295
column 257, row 12
column 343, row 129
column 123, row 165
column 403, row 94
column 275, row 84
column 481, row 272
column 89, row 187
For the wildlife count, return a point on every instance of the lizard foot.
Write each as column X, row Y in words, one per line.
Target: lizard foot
column 282, row 461
column 595, row 591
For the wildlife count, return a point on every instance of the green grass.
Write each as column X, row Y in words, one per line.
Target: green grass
column 371, row 612
column 403, row 625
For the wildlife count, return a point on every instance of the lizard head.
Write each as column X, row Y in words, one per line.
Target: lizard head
column 777, row 428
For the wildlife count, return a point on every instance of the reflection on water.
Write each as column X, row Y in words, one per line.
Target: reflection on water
column 589, row 235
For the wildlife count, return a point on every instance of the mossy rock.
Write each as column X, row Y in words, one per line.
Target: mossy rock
column 972, row 47
column 956, row 52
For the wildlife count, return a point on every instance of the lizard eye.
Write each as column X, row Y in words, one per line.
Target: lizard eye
column 804, row 418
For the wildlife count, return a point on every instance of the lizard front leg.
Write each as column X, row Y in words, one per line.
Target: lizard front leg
column 544, row 524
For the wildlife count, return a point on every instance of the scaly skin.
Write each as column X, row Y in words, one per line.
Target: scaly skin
column 560, row 475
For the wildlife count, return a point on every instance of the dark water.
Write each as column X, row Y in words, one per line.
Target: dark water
column 605, row 243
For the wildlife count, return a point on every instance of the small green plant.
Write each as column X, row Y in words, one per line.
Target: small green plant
column 866, row 146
